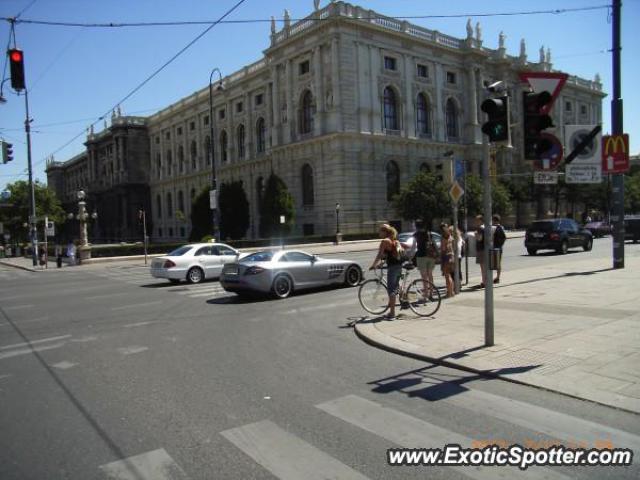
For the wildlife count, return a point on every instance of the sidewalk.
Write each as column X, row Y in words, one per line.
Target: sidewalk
column 572, row 328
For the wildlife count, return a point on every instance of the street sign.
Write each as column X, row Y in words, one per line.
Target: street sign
column 50, row 229
column 545, row 178
column 545, row 82
column 550, row 159
column 459, row 169
column 456, row 191
column 586, row 166
column 615, row 153
column 213, row 203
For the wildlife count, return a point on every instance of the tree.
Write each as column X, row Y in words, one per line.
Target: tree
column 632, row 193
column 424, row 198
column 201, row 217
column 234, row 210
column 276, row 202
column 17, row 214
column 500, row 198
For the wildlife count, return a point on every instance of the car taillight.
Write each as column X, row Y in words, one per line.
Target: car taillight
column 554, row 236
column 168, row 264
column 253, row 270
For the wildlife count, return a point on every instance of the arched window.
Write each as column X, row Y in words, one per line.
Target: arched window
column 181, row 158
column 181, row 201
column 390, row 109
column 261, row 136
column 224, row 144
column 306, row 113
column 207, row 149
column 423, row 120
column 169, row 205
column 240, row 141
column 159, row 206
column 393, row 180
column 169, row 163
column 451, row 119
column 194, row 155
column 307, row 185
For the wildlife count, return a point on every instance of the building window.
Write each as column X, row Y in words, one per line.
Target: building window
column 451, row 120
column 159, row 164
column 159, row 206
column 167, row 136
column 239, row 107
column 170, row 231
column 169, row 163
column 303, row 67
column 390, row 63
column 259, row 99
column 224, row 144
column 207, row 149
column 181, row 158
column 181, row 201
column 157, row 140
column 390, row 109
column 422, row 71
column 192, row 126
column 240, row 141
column 169, row 205
column 222, row 114
column 306, row 113
column 179, row 130
column 393, row 180
column 307, row 185
column 423, row 120
column 182, row 232
column 194, row 155
column 451, row 78
column 583, row 109
column 193, row 193
column 159, row 232
column 568, row 106
column 205, row 120
column 259, row 189
column 261, row 135
column 425, row 168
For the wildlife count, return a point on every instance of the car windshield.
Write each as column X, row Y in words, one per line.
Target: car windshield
column 178, row 252
column 259, row 257
column 405, row 236
column 542, row 226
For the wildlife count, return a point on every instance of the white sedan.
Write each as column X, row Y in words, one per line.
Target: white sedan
column 195, row 262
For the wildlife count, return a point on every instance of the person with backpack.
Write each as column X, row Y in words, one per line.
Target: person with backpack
column 426, row 254
column 499, row 239
column 447, row 257
column 391, row 251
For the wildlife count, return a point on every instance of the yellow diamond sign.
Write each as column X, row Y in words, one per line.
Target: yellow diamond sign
column 456, row 191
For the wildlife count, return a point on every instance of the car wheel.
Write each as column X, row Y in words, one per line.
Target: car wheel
column 282, row 286
column 195, row 275
column 564, row 247
column 174, row 281
column 588, row 245
column 352, row 276
column 532, row 251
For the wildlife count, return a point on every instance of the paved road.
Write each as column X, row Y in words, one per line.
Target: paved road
column 106, row 373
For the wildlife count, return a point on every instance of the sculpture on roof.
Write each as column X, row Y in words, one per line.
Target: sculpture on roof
column 478, row 32
column 273, row 25
column 501, row 38
column 542, row 54
column 469, row 30
column 548, row 55
column 523, row 48
column 316, row 4
column 287, row 19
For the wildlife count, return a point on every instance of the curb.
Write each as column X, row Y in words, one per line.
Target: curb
column 19, row 267
column 388, row 347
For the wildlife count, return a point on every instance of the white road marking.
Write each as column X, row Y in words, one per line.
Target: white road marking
column 64, row 365
column 412, row 432
column 27, row 351
column 107, row 295
column 285, row 455
column 84, row 339
column 132, row 350
column 34, row 342
column 139, row 324
column 21, row 322
column 123, row 307
column 2, row 377
column 18, row 307
column 207, row 294
column 154, row 465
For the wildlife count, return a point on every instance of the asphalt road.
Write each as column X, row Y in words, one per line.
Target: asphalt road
column 108, row 373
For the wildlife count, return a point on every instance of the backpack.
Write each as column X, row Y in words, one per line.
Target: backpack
column 432, row 248
column 398, row 255
column 499, row 237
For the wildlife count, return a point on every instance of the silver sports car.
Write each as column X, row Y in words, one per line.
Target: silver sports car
column 283, row 271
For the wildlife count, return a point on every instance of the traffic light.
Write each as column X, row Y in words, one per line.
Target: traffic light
column 536, row 119
column 7, row 152
column 497, row 127
column 16, row 59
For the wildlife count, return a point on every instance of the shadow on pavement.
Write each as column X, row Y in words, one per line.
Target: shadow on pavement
column 562, row 275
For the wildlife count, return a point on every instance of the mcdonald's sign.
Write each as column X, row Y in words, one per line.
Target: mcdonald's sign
column 615, row 153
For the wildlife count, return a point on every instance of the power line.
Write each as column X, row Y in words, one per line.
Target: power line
column 556, row 11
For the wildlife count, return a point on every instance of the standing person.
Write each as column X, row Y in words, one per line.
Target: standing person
column 480, row 247
column 389, row 251
column 461, row 247
column 499, row 237
column 71, row 253
column 426, row 255
column 447, row 258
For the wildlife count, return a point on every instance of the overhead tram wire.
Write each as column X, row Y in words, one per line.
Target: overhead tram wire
column 148, row 79
column 557, row 11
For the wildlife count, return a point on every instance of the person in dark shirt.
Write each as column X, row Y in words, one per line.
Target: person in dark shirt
column 426, row 254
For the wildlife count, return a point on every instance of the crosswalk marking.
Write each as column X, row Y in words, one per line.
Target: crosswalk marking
column 34, row 342
column 154, row 465
column 285, row 455
column 27, row 351
column 411, row 432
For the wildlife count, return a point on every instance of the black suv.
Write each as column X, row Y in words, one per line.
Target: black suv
column 559, row 234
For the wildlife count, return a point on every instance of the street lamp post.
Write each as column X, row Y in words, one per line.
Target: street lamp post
column 338, row 234
column 82, row 216
column 214, row 186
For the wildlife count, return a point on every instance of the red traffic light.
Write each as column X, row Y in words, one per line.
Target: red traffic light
column 16, row 60
column 15, row 56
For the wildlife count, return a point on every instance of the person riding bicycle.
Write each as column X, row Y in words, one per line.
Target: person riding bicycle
column 390, row 251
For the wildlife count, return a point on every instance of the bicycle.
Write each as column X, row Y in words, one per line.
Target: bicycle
column 421, row 296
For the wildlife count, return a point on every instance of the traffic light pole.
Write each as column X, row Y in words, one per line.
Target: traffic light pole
column 32, row 217
column 617, row 129
column 488, row 244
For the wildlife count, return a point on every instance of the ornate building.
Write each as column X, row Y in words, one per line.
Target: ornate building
column 345, row 106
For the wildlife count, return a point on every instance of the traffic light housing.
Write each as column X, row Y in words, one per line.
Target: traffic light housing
column 536, row 119
column 16, row 60
column 7, row 152
column 497, row 127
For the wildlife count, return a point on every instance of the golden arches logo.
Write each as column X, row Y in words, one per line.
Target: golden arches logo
column 618, row 143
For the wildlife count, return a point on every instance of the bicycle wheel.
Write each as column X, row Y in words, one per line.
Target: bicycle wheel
column 373, row 296
column 423, row 298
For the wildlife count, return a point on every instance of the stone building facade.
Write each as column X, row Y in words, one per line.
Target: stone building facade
column 346, row 106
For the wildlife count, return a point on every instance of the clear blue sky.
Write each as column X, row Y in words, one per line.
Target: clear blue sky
column 75, row 75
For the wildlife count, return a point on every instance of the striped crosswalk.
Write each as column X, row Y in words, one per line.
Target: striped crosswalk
column 276, row 449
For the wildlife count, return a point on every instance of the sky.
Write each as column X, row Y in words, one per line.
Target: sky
column 77, row 75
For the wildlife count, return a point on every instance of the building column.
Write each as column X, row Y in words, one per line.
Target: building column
column 335, row 79
column 318, row 124
column 474, row 126
column 376, row 108
column 288, row 98
column 439, row 125
column 275, row 106
column 409, row 107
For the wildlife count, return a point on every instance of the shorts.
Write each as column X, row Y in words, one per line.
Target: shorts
column 425, row 263
column 393, row 278
column 480, row 257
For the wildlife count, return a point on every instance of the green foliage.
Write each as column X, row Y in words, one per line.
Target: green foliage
column 234, row 210
column 500, row 196
column 424, row 198
column 47, row 204
column 201, row 217
column 276, row 201
column 632, row 193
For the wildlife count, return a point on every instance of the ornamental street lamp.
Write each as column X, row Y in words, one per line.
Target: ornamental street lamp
column 82, row 216
column 214, row 186
column 338, row 234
